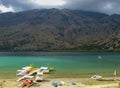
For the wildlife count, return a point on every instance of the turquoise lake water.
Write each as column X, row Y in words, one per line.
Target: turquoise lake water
column 66, row 64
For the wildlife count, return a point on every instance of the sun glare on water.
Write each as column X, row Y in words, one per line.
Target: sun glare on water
column 48, row 2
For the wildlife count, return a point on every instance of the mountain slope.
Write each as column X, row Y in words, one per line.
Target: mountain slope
column 54, row 29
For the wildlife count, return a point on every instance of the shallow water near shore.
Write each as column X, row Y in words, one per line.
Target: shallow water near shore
column 66, row 64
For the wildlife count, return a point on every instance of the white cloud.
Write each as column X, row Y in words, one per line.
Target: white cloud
column 4, row 9
column 108, row 6
column 48, row 2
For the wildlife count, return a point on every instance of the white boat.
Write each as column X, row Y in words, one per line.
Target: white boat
column 39, row 78
column 96, row 77
column 45, row 70
column 25, row 77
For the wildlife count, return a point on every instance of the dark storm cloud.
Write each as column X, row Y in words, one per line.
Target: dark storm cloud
column 105, row 6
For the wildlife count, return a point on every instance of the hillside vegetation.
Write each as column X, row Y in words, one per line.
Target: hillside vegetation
column 59, row 30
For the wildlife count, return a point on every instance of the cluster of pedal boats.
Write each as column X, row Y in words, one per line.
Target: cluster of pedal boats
column 29, row 72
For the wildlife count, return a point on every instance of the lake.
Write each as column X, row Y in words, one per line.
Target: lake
column 66, row 64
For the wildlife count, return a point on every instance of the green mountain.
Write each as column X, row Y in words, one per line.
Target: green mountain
column 59, row 30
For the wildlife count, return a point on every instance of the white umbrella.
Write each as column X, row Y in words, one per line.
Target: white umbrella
column 115, row 73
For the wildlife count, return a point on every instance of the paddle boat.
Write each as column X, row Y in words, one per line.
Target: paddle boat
column 96, row 77
column 26, row 70
column 50, row 67
column 106, row 79
column 25, row 77
column 45, row 70
column 27, row 83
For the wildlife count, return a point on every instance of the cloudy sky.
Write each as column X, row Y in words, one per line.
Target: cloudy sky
column 104, row 6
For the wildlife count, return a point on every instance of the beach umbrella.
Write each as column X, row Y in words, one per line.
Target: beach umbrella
column 115, row 73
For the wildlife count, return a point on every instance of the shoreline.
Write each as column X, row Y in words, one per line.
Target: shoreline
column 48, row 53
column 48, row 76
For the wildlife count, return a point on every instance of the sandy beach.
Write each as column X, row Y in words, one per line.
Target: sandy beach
column 47, row 83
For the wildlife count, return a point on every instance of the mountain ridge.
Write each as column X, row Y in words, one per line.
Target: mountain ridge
column 64, row 30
